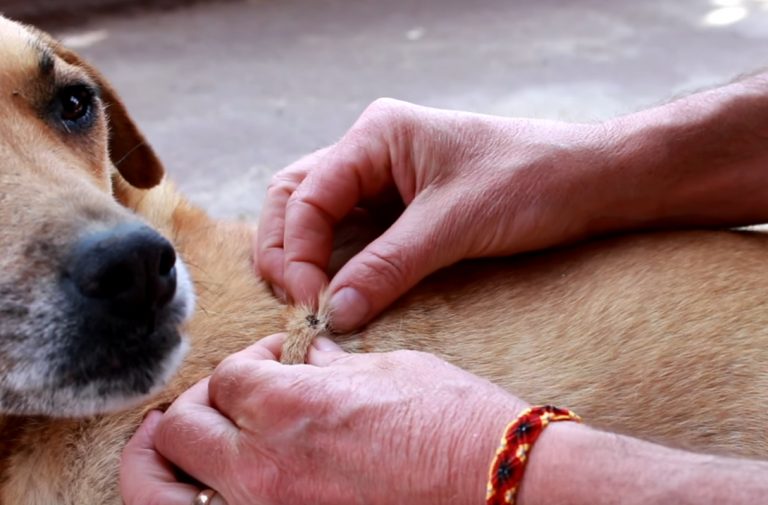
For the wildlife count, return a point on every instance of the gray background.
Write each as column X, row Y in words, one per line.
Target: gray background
column 229, row 92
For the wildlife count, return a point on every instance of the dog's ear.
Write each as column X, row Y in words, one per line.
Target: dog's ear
column 129, row 151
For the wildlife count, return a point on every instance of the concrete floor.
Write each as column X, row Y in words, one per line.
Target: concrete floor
column 230, row 92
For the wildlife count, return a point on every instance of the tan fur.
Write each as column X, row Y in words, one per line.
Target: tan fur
column 662, row 336
column 303, row 324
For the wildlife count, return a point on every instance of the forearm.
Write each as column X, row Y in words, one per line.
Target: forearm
column 576, row 465
column 698, row 161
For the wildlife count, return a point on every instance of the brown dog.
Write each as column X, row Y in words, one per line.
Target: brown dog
column 661, row 336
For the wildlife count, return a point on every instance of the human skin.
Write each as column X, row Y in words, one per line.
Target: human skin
column 477, row 185
column 393, row 428
column 575, row 465
column 474, row 186
column 261, row 432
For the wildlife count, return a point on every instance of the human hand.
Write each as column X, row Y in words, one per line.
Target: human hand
column 473, row 186
column 401, row 427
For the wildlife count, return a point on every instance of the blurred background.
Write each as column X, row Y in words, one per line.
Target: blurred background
column 230, row 91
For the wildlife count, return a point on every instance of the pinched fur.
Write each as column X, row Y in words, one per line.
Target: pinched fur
column 661, row 336
column 658, row 336
column 304, row 323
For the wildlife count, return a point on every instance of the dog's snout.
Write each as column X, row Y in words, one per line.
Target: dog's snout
column 130, row 268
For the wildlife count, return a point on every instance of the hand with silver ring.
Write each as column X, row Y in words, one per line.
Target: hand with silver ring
column 400, row 427
column 140, row 455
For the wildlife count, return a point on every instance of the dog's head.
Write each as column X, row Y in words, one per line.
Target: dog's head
column 90, row 297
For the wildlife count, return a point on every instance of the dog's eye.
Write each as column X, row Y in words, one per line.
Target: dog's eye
column 74, row 102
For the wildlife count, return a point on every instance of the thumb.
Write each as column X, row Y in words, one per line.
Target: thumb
column 145, row 474
column 324, row 352
column 407, row 252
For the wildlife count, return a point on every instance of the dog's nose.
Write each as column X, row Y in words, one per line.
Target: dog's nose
column 131, row 268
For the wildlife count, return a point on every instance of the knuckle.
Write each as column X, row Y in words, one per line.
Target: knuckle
column 386, row 269
column 384, row 114
column 290, row 178
column 410, row 357
column 385, row 105
column 280, row 185
column 225, row 369
column 394, row 123
column 295, row 199
column 314, row 212
column 424, row 357
column 227, row 382
column 391, row 361
column 226, row 375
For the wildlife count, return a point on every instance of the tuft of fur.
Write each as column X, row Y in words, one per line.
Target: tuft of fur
column 304, row 323
column 661, row 336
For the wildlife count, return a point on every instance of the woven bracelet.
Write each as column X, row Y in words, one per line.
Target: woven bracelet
column 508, row 465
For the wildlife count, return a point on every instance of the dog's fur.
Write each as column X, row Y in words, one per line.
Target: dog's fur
column 661, row 336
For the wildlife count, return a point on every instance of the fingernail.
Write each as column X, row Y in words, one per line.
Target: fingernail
column 348, row 308
column 152, row 412
column 151, row 419
column 326, row 345
column 279, row 293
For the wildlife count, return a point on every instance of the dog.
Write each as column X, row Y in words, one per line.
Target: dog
column 660, row 336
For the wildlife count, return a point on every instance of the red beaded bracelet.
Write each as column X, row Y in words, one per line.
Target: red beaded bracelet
column 508, row 465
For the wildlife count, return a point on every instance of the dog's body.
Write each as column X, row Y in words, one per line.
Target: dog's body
column 659, row 336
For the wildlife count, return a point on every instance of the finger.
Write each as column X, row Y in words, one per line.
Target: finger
column 240, row 390
column 196, row 437
column 390, row 265
column 147, row 477
column 325, row 352
column 269, row 236
column 268, row 246
column 255, row 391
column 357, row 167
column 239, row 374
column 268, row 348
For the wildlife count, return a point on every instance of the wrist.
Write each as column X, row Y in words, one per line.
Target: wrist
column 683, row 163
column 542, row 432
column 475, row 453
column 551, row 475
column 575, row 464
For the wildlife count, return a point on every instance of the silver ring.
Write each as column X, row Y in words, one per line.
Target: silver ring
column 204, row 497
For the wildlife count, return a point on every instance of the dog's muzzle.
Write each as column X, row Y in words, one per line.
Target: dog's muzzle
column 124, row 272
